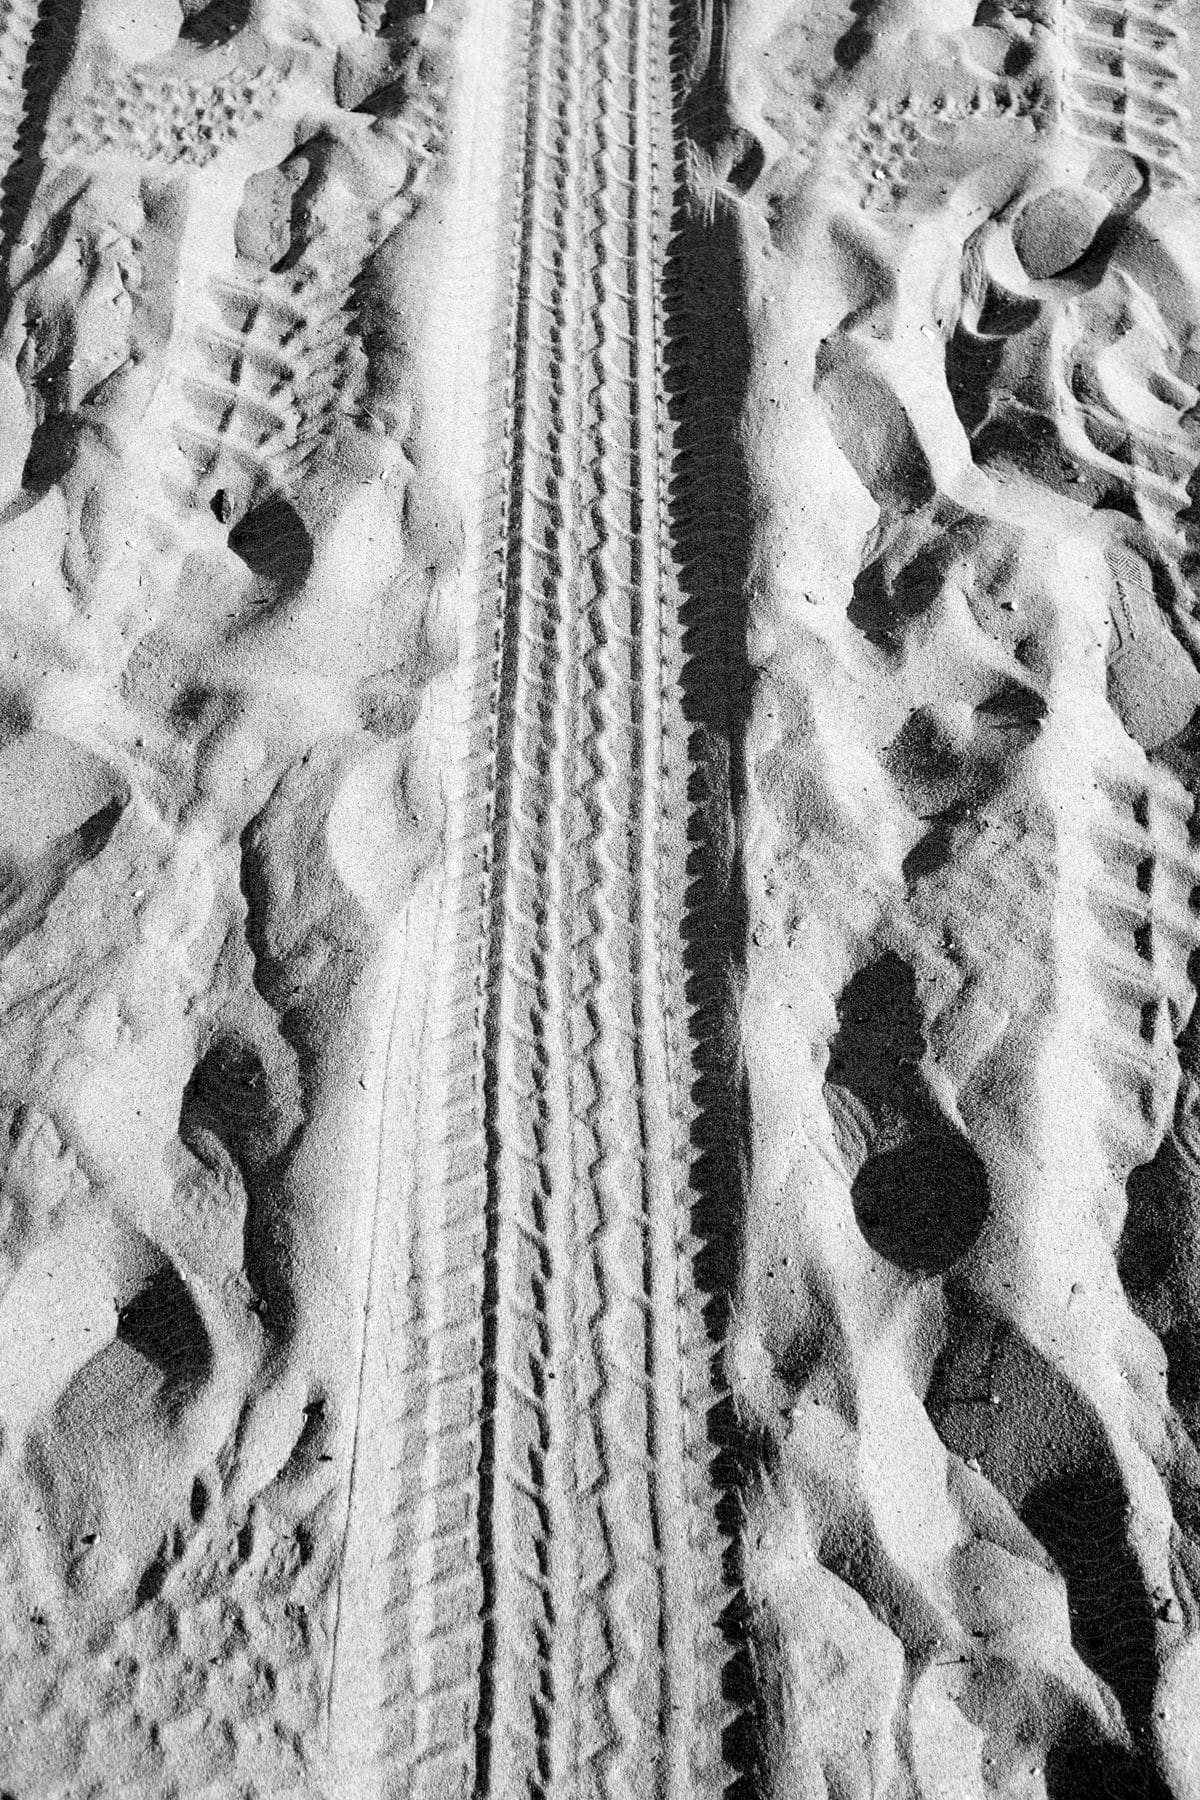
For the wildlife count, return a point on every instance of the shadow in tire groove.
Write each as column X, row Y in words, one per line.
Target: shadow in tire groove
column 708, row 360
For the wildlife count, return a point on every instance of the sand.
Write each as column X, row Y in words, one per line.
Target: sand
column 599, row 905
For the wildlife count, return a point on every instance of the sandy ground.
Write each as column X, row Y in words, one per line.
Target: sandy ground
column 599, row 696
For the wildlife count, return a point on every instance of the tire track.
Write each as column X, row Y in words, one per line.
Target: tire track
column 621, row 1602
column 17, row 28
column 525, row 1541
column 436, row 1645
column 676, row 1362
column 37, row 43
column 555, row 1423
column 645, row 1504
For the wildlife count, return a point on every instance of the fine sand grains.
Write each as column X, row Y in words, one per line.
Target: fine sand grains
column 599, row 903
column 228, row 535
column 965, row 1331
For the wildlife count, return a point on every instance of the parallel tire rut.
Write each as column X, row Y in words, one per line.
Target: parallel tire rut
column 554, row 1431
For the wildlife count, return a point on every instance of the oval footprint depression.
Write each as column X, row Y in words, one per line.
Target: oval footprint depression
column 922, row 1204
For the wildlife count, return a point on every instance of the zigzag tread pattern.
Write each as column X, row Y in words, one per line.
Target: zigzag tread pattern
column 599, row 1661
column 557, row 1583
